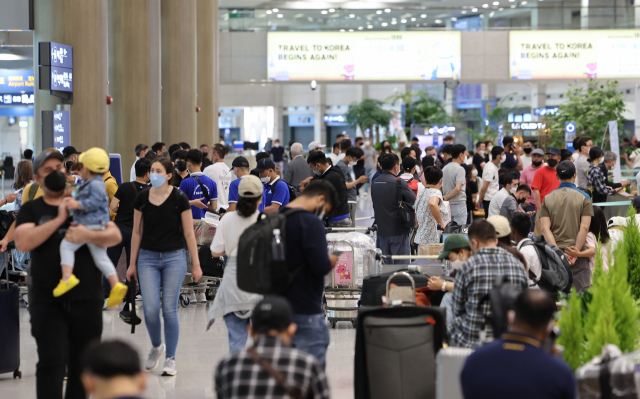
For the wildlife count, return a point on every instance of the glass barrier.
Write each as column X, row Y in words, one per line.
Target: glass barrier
column 496, row 15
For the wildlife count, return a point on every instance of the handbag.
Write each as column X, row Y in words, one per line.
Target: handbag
column 128, row 313
column 406, row 214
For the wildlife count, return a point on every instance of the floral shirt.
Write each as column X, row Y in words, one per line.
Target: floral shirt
column 427, row 225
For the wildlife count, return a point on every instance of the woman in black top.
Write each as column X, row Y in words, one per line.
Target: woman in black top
column 162, row 223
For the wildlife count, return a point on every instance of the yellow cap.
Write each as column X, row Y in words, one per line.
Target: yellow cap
column 95, row 159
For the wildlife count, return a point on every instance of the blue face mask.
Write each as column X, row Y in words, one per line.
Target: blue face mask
column 157, row 180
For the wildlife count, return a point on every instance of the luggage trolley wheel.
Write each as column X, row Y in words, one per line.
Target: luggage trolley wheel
column 184, row 300
column 17, row 374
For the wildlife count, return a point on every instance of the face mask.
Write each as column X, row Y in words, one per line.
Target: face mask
column 481, row 152
column 367, row 143
column 387, row 148
column 522, row 200
column 181, row 166
column 165, row 154
column 489, row 149
column 474, row 173
column 55, row 181
column 552, row 163
column 353, row 163
column 528, row 150
column 276, row 145
column 513, row 190
column 265, row 179
column 456, row 264
column 320, row 214
column 205, row 155
column 536, row 164
column 157, row 180
column 504, row 158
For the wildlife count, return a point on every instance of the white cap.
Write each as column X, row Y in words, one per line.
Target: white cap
column 315, row 145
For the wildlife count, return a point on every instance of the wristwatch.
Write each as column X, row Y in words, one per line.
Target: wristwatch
column 444, row 286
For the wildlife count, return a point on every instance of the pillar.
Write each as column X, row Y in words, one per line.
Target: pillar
column 178, row 63
column 319, row 107
column 208, row 77
column 488, row 91
column 134, row 77
column 538, row 95
column 83, row 25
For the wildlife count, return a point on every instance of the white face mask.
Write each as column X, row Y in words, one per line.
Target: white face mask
column 474, row 173
column 504, row 158
column 481, row 152
column 367, row 143
column 513, row 190
column 276, row 145
column 489, row 149
column 265, row 179
column 456, row 264
column 353, row 163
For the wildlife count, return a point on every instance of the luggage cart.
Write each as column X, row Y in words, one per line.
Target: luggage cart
column 341, row 298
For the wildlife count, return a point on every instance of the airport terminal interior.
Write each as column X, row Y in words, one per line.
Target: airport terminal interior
column 399, row 87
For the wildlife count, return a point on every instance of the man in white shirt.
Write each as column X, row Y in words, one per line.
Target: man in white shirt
column 582, row 146
column 454, row 185
column 336, row 155
column 527, row 147
column 509, row 184
column 220, row 174
column 520, row 228
column 141, row 151
column 490, row 185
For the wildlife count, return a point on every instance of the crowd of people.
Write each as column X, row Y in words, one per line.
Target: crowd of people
column 508, row 197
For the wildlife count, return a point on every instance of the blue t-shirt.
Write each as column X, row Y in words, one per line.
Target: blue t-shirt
column 277, row 193
column 510, row 162
column 191, row 188
column 233, row 191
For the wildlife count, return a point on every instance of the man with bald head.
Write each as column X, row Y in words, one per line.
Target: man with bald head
column 298, row 169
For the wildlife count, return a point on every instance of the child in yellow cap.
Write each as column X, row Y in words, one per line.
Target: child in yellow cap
column 91, row 209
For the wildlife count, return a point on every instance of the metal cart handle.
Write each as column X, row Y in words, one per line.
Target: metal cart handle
column 405, row 274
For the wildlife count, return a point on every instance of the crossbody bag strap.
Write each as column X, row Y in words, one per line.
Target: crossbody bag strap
column 205, row 192
column 278, row 376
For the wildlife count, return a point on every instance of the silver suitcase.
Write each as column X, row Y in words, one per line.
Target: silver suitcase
column 449, row 363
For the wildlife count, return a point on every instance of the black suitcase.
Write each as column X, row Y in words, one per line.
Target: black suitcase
column 395, row 354
column 10, row 330
column 211, row 267
column 374, row 287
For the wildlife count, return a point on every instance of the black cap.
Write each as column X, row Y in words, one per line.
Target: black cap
column 553, row 151
column 68, row 151
column 408, row 163
column 566, row 170
column 240, row 162
column 264, row 164
column 272, row 313
column 636, row 203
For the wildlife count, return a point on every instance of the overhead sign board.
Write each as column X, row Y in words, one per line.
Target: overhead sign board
column 17, row 81
column 55, row 54
column 363, row 55
column 56, row 78
column 17, row 99
column 574, row 54
column 56, row 129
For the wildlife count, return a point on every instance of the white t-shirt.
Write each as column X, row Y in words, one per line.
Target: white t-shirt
column 132, row 175
column 220, row 174
column 526, row 161
column 533, row 261
column 496, row 202
column 490, row 174
column 229, row 231
column 635, row 157
column 574, row 157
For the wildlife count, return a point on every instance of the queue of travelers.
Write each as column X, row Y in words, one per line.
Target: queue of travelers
column 522, row 197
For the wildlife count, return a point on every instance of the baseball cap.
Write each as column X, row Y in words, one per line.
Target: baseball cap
column 501, row 224
column 264, row 164
column 636, row 203
column 45, row 156
column 239, row 162
column 537, row 151
column 250, row 187
column 553, row 151
column 272, row 313
column 95, row 159
column 618, row 221
column 566, row 169
column 454, row 241
column 68, row 151
column 315, row 145
column 408, row 163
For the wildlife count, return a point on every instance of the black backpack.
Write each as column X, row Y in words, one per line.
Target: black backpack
column 6, row 220
column 257, row 272
column 556, row 274
column 294, row 191
column 501, row 298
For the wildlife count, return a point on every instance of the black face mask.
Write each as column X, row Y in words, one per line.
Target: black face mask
column 521, row 200
column 205, row 155
column 55, row 181
column 181, row 166
column 552, row 163
column 536, row 164
column 527, row 150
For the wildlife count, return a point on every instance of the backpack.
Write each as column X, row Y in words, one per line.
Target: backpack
column 294, row 191
column 556, row 274
column 32, row 191
column 501, row 298
column 6, row 220
column 257, row 272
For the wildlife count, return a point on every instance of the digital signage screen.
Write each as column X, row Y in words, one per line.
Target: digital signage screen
column 61, row 79
column 56, row 129
column 363, row 56
column 55, row 54
column 17, row 81
column 574, row 54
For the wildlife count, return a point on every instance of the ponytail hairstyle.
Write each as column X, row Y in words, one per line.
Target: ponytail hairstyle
column 247, row 206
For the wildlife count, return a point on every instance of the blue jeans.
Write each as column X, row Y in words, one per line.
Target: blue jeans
column 238, row 333
column 166, row 271
column 312, row 336
column 395, row 245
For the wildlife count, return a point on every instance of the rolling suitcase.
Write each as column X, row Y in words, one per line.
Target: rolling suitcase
column 374, row 287
column 396, row 347
column 449, row 363
column 10, row 330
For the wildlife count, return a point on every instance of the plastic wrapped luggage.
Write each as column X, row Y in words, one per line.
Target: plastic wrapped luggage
column 10, row 330
column 449, row 364
column 611, row 375
column 204, row 231
column 363, row 260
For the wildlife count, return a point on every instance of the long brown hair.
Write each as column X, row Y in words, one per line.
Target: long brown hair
column 24, row 174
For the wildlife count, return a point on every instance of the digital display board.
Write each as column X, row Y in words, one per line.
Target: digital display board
column 61, row 79
column 56, row 129
column 574, row 54
column 363, row 55
column 17, row 81
column 17, row 99
column 55, row 54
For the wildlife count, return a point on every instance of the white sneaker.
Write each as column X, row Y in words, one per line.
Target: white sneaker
column 154, row 357
column 169, row 367
column 192, row 297
column 202, row 298
column 138, row 297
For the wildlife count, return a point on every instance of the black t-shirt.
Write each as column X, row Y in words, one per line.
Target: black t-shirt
column 277, row 153
column 306, row 246
column 45, row 271
column 176, row 179
column 472, row 188
column 127, row 194
column 334, row 176
column 477, row 160
column 162, row 224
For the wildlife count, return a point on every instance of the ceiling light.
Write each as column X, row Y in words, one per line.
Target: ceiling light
column 350, row 30
column 352, row 15
column 438, row 21
column 524, row 3
column 492, row 14
column 341, row 30
column 464, row 11
column 511, row 1
column 369, row 26
column 404, row 21
column 423, row 16
column 268, row 12
column 485, row 6
column 500, row 9
column 474, row 10
column 360, row 28
column 379, row 12
column 513, row 6
column 394, row 22
column 454, row 19
column 275, row 10
column 9, row 57
column 481, row 15
column 384, row 24
column 323, row 12
column 496, row 3
column 280, row 16
column 387, row 10
column 332, row 10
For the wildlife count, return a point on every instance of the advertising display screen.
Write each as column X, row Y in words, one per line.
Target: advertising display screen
column 574, row 54
column 17, row 81
column 363, row 55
